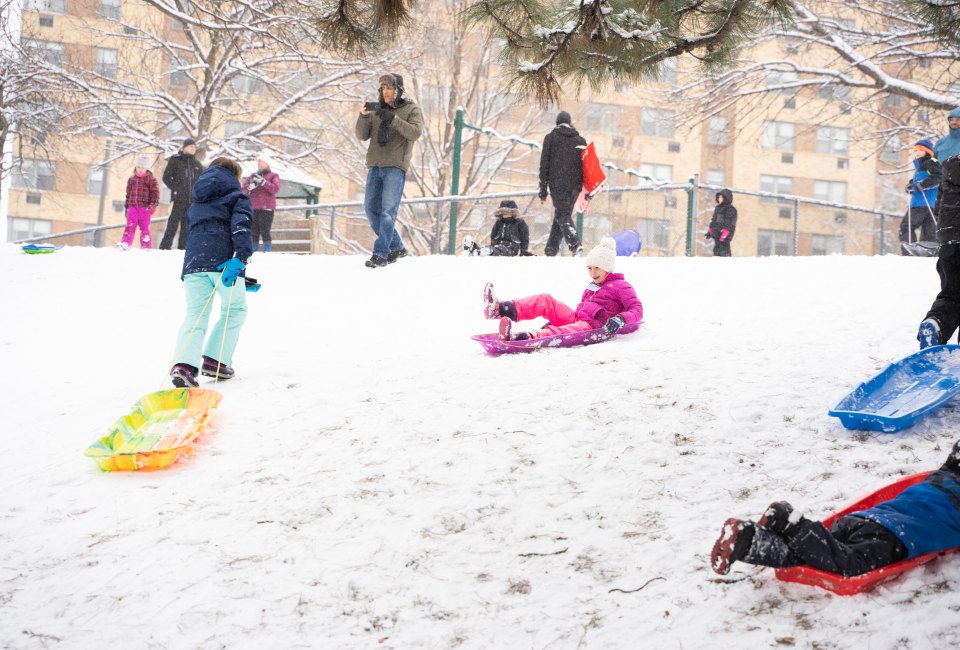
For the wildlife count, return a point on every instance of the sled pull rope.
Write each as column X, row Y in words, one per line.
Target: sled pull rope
column 186, row 341
column 223, row 339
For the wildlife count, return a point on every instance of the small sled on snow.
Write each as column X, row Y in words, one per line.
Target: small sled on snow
column 494, row 346
column 903, row 392
column 40, row 249
column 159, row 428
column 859, row 584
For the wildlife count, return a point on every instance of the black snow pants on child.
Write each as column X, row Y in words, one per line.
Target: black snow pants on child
column 851, row 547
column 946, row 308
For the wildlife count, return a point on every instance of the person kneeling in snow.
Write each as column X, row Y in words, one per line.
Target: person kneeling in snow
column 924, row 518
column 510, row 235
column 219, row 245
column 608, row 302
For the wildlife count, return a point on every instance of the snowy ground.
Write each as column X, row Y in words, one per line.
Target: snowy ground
column 372, row 480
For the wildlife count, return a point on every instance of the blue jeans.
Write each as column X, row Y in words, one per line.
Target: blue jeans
column 381, row 202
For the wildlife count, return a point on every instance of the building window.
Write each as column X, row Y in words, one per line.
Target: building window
column 50, row 6
column 118, row 206
column 657, row 122
column 668, row 72
column 35, row 175
column 49, row 51
column 776, row 185
column 107, row 62
column 20, row 228
column 891, row 149
column 782, row 78
column 109, row 9
column 178, row 76
column 249, row 85
column 602, row 117
column 301, row 141
column 833, row 140
column 174, row 131
column 234, row 129
column 718, row 131
column 826, row 245
column 654, row 233
column 893, row 101
column 716, row 177
column 780, row 135
column 657, row 172
column 774, row 242
column 832, row 191
column 94, row 180
column 836, row 92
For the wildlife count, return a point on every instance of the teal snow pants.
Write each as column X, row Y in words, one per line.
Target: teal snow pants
column 226, row 332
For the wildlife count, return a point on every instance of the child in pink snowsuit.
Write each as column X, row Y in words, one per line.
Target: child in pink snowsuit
column 143, row 195
column 608, row 302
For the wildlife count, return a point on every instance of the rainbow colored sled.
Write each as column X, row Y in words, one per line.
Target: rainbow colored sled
column 494, row 346
column 159, row 427
column 859, row 584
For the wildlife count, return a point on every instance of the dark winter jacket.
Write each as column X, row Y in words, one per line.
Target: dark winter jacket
column 403, row 128
column 926, row 178
column 949, row 145
column 510, row 236
column 181, row 173
column 561, row 169
column 218, row 222
column 142, row 191
column 925, row 516
column 947, row 208
column 724, row 216
column 262, row 188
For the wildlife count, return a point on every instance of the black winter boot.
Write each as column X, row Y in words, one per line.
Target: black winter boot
column 734, row 542
column 508, row 309
column 212, row 368
column 184, row 376
column 781, row 518
column 375, row 261
column 953, row 460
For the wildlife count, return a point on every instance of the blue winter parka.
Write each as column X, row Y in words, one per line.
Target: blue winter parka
column 925, row 516
column 218, row 222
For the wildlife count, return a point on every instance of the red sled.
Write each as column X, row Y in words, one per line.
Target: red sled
column 862, row 583
column 593, row 176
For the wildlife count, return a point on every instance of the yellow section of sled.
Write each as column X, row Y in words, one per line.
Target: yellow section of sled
column 159, row 427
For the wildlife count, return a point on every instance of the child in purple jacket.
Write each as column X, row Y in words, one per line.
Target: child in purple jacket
column 924, row 518
column 608, row 302
column 262, row 187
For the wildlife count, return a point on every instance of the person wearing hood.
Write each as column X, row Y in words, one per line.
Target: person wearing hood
column 392, row 128
column 219, row 246
column 510, row 235
column 262, row 187
column 181, row 173
column 949, row 145
column 943, row 318
column 723, row 224
column 923, row 197
column 561, row 175
column 143, row 195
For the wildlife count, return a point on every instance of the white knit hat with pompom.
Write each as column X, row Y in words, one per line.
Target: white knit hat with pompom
column 604, row 256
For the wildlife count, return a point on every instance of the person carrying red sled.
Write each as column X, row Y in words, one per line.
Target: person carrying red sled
column 924, row 518
column 609, row 302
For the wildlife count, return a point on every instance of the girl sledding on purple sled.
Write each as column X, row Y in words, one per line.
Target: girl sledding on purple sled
column 608, row 302
column 924, row 518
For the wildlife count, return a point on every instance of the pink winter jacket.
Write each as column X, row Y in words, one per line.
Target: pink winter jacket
column 614, row 297
column 264, row 196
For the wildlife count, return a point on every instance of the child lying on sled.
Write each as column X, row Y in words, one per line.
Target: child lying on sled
column 924, row 518
column 608, row 302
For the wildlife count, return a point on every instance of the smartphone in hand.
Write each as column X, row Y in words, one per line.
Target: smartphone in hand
column 372, row 106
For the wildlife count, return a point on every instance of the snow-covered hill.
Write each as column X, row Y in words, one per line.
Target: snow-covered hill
column 372, row 480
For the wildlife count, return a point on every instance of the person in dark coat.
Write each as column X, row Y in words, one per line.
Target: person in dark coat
column 723, row 224
column 561, row 173
column 510, row 236
column 923, row 196
column 944, row 316
column 924, row 518
column 181, row 173
column 219, row 246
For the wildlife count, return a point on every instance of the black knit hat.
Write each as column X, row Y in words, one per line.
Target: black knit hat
column 187, row 142
column 563, row 117
column 509, row 204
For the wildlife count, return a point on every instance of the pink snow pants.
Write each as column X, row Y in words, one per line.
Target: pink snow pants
column 138, row 217
column 563, row 320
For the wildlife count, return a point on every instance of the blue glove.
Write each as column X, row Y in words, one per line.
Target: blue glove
column 251, row 285
column 231, row 271
column 613, row 324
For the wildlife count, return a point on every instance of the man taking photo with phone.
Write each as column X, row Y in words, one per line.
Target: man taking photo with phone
column 392, row 125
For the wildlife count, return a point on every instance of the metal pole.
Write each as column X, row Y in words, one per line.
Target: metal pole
column 105, row 168
column 455, row 180
column 580, row 227
column 883, row 236
column 333, row 219
column 691, row 213
column 796, row 226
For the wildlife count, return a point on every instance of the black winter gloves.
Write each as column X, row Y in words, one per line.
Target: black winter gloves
column 383, row 133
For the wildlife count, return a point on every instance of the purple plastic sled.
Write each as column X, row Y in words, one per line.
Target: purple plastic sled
column 493, row 345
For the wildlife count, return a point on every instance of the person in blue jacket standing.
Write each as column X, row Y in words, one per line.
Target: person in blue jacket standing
column 949, row 145
column 923, row 197
column 924, row 518
column 219, row 246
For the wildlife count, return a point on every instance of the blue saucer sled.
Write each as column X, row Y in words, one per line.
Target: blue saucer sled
column 904, row 392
